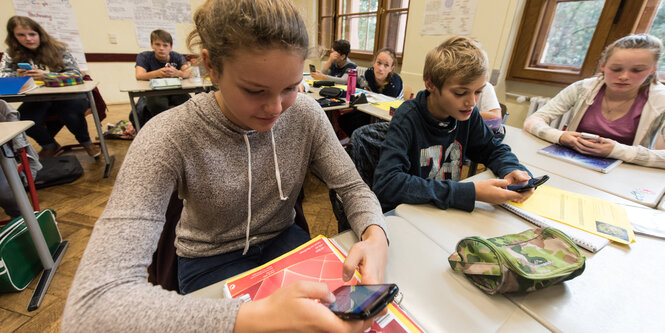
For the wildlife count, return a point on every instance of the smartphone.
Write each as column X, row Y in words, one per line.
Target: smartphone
column 312, row 68
column 24, row 65
column 589, row 136
column 362, row 302
column 531, row 183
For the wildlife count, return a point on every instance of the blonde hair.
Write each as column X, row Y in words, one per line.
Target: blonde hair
column 457, row 57
column 639, row 42
column 225, row 26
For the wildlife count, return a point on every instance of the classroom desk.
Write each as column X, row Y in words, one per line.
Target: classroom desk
column 619, row 291
column 314, row 93
column 139, row 88
column 640, row 184
column 375, row 111
column 434, row 296
column 44, row 94
column 9, row 130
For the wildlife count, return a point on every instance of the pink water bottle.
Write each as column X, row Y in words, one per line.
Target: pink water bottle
column 351, row 84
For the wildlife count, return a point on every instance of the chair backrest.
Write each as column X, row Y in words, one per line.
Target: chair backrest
column 361, row 70
column 504, row 113
column 365, row 148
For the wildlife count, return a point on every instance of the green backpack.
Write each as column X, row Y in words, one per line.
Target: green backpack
column 524, row 262
column 19, row 261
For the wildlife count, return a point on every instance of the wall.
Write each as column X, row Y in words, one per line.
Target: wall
column 495, row 26
column 95, row 26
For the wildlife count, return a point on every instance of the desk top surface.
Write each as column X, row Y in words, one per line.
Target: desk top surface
column 43, row 90
column 617, row 291
column 10, row 129
column 633, row 182
column 144, row 85
column 434, row 296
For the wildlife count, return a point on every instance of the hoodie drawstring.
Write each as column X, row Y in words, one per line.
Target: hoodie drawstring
column 277, row 174
column 249, row 192
column 278, row 177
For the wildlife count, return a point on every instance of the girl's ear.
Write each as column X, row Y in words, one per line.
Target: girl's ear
column 205, row 56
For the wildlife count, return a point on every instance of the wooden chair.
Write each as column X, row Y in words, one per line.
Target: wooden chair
column 163, row 270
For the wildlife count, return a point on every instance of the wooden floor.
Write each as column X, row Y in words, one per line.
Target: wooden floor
column 79, row 204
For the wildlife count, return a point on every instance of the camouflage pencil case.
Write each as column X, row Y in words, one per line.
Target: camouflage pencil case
column 524, row 262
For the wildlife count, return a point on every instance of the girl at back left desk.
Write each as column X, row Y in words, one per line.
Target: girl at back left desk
column 28, row 42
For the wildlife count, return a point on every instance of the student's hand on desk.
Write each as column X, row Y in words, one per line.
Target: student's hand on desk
column 369, row 256
column 318, row 75
column 596, row 147
column 494, row 191
column 518, row 176
column 36, row 74
column 569, row 138
column 168, row 71
column 293, row 308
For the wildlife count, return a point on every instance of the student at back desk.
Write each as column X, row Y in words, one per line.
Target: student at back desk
column 338, row 65
column 28, row 42
column 161, row 62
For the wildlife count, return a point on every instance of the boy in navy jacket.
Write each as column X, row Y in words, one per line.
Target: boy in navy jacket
column 422, row 155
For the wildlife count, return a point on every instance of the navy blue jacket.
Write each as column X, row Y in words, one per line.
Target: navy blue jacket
column 421, row 158
column 393, row 87
column 339, row 72
column 147, row 60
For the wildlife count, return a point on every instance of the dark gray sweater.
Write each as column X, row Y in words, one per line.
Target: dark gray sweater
column 195, row 149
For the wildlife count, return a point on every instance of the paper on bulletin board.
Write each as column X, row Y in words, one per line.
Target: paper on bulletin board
column 57, row 18
column 449, row 17
column 149, row 15
column 597, row 216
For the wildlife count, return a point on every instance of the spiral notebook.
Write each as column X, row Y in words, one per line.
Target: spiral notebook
column 582, row 238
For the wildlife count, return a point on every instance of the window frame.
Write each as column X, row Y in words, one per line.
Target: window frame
column 618, row 18
column 381, row 12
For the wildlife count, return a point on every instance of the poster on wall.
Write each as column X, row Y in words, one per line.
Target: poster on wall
column 149, row 15
column 449, row 17
column 57, row 18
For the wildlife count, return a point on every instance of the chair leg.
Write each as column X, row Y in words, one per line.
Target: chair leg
column 28, row 175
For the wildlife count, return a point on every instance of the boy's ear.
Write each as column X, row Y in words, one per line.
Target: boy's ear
column 429, row 85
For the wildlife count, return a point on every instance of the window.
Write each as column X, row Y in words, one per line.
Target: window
column 369, row 25
column 560, row 41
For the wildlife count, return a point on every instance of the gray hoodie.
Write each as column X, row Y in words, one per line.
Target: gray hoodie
column 195, row 149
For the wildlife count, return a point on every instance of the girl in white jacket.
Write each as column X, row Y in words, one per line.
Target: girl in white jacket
column 624, row 105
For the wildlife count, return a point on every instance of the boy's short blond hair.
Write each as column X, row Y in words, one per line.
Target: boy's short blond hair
column 457, row 57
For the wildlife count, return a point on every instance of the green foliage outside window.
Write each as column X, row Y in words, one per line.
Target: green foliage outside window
column 571, row 32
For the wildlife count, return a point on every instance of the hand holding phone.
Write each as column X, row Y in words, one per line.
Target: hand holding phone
column 526, row 185
column 25, row 66
column 362, row 302
column 589, row 136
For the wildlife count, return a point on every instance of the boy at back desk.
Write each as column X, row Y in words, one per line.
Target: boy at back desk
column 161, row 62
column 422, row 154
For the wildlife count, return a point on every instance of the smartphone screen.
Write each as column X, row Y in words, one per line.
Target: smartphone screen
column 312, row 68
column 362, row 301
